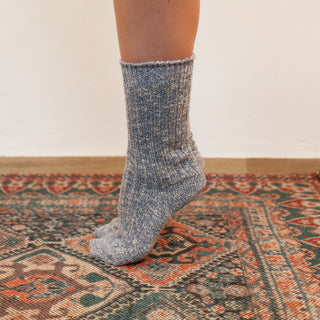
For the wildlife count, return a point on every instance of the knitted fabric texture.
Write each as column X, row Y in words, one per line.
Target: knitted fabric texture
column 164, row 169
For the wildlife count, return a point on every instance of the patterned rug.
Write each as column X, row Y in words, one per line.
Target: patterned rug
column 246, row 248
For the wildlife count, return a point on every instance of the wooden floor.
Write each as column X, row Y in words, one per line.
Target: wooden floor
column 105, row 165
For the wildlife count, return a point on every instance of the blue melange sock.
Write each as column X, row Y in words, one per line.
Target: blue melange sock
column 164, row 169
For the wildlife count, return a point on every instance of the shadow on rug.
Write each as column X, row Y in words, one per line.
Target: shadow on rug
column 246, row 248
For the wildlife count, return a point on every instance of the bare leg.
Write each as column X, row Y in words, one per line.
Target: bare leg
column 151, row 30
column 164, row 169
column 155, row 30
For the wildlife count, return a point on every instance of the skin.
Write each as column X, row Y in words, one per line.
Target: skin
column 156, row 30
column 153, row 30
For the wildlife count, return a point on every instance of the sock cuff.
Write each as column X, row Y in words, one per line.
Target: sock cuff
column 156, row 76
column 158, row 63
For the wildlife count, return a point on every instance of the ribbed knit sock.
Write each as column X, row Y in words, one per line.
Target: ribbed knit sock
column 164, row 169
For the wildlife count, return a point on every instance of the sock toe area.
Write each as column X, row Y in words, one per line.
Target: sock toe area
column 112, row 226
column 115, row 251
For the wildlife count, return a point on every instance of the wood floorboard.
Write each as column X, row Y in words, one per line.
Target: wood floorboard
column 110, row 165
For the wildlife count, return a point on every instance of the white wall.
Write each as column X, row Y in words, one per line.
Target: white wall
column 255, row 91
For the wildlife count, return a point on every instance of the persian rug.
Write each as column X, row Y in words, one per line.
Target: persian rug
column 246, row 248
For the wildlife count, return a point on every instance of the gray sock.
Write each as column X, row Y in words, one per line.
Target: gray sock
column 164, row 169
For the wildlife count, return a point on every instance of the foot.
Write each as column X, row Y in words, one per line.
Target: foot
column 114, row 225
column 148, row 212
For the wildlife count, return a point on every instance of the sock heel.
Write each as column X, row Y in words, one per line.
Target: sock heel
column 192, row 187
